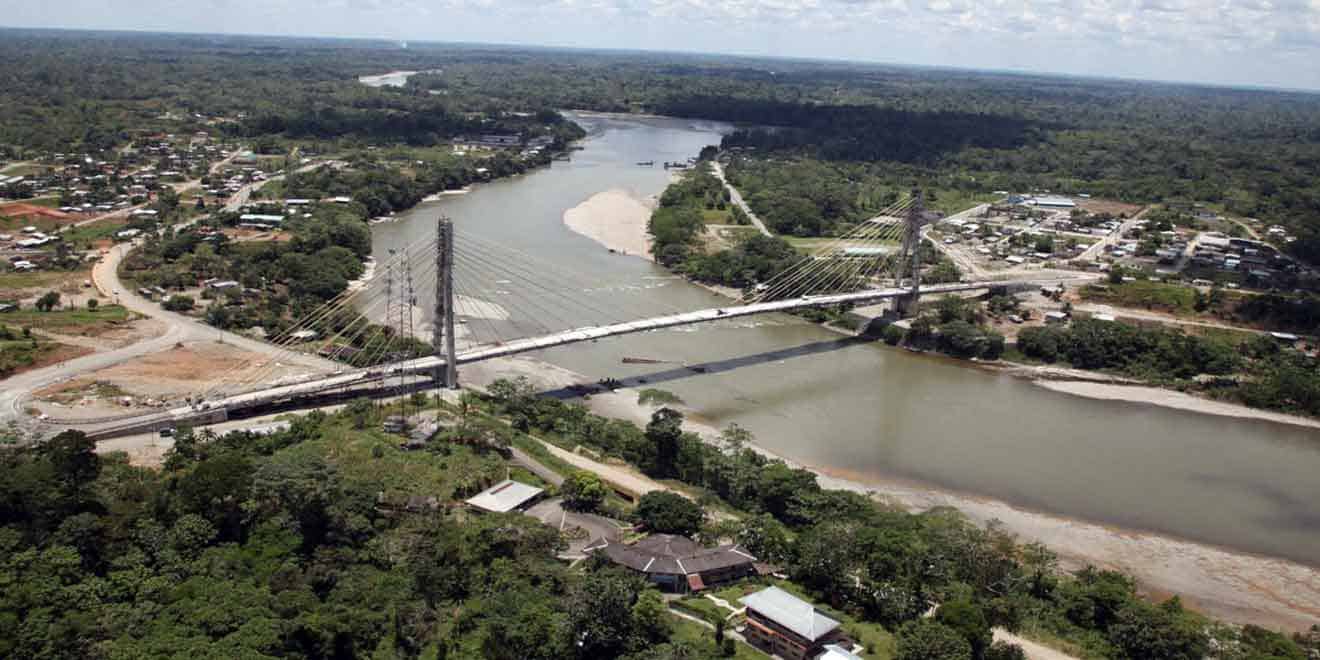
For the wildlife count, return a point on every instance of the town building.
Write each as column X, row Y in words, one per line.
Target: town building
column 679, row 564
column 786, row 626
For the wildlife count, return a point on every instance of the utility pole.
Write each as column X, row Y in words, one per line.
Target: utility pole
column 442, row 332
column 910, row 257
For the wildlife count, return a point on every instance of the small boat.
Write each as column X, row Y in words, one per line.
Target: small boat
column 646, row 163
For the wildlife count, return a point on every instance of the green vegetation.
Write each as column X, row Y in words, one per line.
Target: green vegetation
column 298, row 544
column 583, row 491
column 664, row 512
column 654, row 396
column 304, row 540
column 953, row 325
column 78, row 321
column 877, row 565
column 1255, row 370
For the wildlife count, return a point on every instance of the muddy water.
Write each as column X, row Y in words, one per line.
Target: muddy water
column 874, row 412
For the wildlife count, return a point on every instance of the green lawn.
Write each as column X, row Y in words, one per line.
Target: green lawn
column 702, row 607
column 687, row 631
column 70, row 321
column 1145, row 294
column 373, row 459
column 99, row 230
column 716, row 217
column 15, row 281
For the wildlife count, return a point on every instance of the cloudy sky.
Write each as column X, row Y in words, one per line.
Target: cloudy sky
column 1242, row 42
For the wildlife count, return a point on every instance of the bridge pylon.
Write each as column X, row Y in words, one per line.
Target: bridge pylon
column 442, row 327
column 909, row 257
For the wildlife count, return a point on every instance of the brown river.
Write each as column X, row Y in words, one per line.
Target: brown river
column 876, row 413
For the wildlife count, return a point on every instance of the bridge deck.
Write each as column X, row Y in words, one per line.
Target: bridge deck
column 355, row 377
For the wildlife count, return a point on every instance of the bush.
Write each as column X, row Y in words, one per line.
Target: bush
column 583, row 491
column 179, row 303
column 92, row 304
column 48, row 301
column 669, row 513
column 1043, row 342
column 893, row 335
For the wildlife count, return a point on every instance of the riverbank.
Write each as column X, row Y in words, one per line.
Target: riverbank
column 615, row 219
column 1157, row 396
column 1229, row 585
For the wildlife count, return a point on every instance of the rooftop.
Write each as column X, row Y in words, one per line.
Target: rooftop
column 674, row 555
column 504, row 496
column 790, row 612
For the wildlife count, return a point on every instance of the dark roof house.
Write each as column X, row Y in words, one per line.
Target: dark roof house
column 677, row 563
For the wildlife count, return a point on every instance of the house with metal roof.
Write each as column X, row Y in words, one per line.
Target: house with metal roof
column 505, row 496
column 677, row 563
column 784, row 625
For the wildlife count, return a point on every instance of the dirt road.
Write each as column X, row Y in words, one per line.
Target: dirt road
column 738, row 200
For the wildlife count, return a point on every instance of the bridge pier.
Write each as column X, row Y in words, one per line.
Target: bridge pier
column 442, row 327
column 909, row 258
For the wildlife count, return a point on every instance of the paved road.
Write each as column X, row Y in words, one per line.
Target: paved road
column 738, row 199
column 1111, row 238
column 965, row 262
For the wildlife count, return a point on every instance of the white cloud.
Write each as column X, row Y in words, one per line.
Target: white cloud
column 1233, row 41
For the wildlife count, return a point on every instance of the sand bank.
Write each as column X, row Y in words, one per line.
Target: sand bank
column 614, row 219
column 1170, row 399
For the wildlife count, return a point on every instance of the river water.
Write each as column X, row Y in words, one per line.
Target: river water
column 876, row 413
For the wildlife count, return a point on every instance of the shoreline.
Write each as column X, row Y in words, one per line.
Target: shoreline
column 1159, row 396
column 1229, row 584
column 616, row 219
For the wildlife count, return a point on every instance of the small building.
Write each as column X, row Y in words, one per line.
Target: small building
column 304, row 335
column 1285, row 337
column 1056, row 317
column 784, row 625
column 260, row 220
column 223, row 284
column 837, row 652
column 505, row 496
column 1052, row 202
column 677, row 563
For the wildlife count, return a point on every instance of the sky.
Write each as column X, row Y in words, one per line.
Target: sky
column 1269, row 43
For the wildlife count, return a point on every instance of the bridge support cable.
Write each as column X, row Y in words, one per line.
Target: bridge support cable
column 827, row 263
column 791, row 278
column 842, row 272
column 283, row 341
column 538, row 270
column 320, row 320
column 830, row 270
column 488, row 307
column 554, row 306
column 802, row 269
column 525, row 276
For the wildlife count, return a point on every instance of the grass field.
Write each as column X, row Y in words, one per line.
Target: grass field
column 716, row 217
column 1145, row 294
column 696, row 633
column 11, row 282
column 96, row 231
column 19, row 355
column 80, row 321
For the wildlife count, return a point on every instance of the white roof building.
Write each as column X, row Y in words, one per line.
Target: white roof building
column 504, row 496
column 790, row 612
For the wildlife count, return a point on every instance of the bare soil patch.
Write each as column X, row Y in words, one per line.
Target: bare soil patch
column 1108, row 206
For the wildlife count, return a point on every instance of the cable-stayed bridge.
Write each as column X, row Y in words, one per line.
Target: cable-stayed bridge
column 455, row 300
